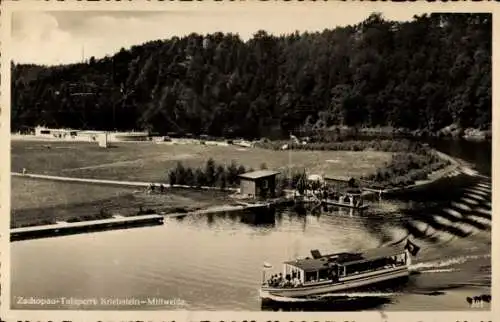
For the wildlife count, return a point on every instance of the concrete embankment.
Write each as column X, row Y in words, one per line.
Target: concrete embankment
column 70, row 228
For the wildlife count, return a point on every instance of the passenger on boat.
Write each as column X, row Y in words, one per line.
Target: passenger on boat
column 296, row 282
column 276, row 280
column 334, row 275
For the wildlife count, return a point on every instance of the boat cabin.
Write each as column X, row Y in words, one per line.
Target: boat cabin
column 340, row 266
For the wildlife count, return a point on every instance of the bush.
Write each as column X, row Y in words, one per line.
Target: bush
column 232, row 173
column 42, row 222
column 210, row 177
column 351, row 145
column 147, row 211
column 172, row 177
column 101, row 215
column 407, row 168
column 241, row 169
column 200, row 179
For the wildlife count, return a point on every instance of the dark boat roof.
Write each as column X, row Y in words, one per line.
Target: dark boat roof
column 315, row 264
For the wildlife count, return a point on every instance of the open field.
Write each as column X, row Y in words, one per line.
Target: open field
column 43, row 201
column 150, row 162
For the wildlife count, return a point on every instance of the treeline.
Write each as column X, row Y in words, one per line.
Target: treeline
column 427, row 73
column 226, row 176
column 212, row 175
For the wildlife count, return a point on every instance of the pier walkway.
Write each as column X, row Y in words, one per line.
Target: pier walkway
column 68, row 228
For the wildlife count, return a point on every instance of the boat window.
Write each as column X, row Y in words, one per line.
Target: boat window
column 311, row 276
column 341, row 271
column 323, row 274
column 381, row 263
column 364, row 267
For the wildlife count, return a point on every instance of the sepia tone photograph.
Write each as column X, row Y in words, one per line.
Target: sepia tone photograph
column 197, row 160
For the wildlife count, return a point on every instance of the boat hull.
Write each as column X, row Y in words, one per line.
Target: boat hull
column 329, row 287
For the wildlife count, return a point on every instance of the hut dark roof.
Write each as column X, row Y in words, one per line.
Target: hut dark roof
column 258, row 174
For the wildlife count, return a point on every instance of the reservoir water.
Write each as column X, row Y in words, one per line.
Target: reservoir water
column 214, row 262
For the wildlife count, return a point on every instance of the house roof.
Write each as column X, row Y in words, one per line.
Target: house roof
column 315, row 264
column 258, row 174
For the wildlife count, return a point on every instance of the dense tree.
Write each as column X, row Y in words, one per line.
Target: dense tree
column 422, row 74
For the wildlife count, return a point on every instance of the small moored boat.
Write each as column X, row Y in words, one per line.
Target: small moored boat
column 339, row 272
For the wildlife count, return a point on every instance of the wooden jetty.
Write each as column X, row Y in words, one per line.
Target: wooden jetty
column 254, row 204
column 332, row 202
column 65, row 228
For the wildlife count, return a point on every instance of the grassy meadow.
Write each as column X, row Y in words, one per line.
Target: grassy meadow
column 39, row 202
column 36, row 202
column 147, row 161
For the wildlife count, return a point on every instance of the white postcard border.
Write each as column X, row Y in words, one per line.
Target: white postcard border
column 7, row 7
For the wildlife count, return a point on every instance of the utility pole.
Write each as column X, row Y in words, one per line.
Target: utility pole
column 113, row 86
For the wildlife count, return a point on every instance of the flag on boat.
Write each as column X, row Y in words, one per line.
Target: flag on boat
column 267, row 265
column 412, row 248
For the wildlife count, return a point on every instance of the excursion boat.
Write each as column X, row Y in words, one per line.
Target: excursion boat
column 340, row 272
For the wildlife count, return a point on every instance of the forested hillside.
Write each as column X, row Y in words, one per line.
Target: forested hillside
column 425, row 74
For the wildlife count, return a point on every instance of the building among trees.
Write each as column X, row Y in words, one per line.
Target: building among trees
column 258, row 184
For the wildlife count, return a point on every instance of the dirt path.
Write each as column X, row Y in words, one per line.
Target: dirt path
column 159, row 157
column 110, row 182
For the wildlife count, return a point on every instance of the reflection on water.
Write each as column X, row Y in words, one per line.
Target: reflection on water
column 477, row 153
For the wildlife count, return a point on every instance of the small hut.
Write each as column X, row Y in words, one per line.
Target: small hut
column 103, row 140
column 258, row 184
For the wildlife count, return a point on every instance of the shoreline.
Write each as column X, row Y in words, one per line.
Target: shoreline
column 236, row 206
column 456, row 167
column 176, row 194
column 451, row 132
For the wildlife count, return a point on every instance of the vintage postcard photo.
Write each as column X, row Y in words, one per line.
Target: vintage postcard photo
column 269, row 158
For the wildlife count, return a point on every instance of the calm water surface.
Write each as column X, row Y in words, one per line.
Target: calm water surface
column 214, row 262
